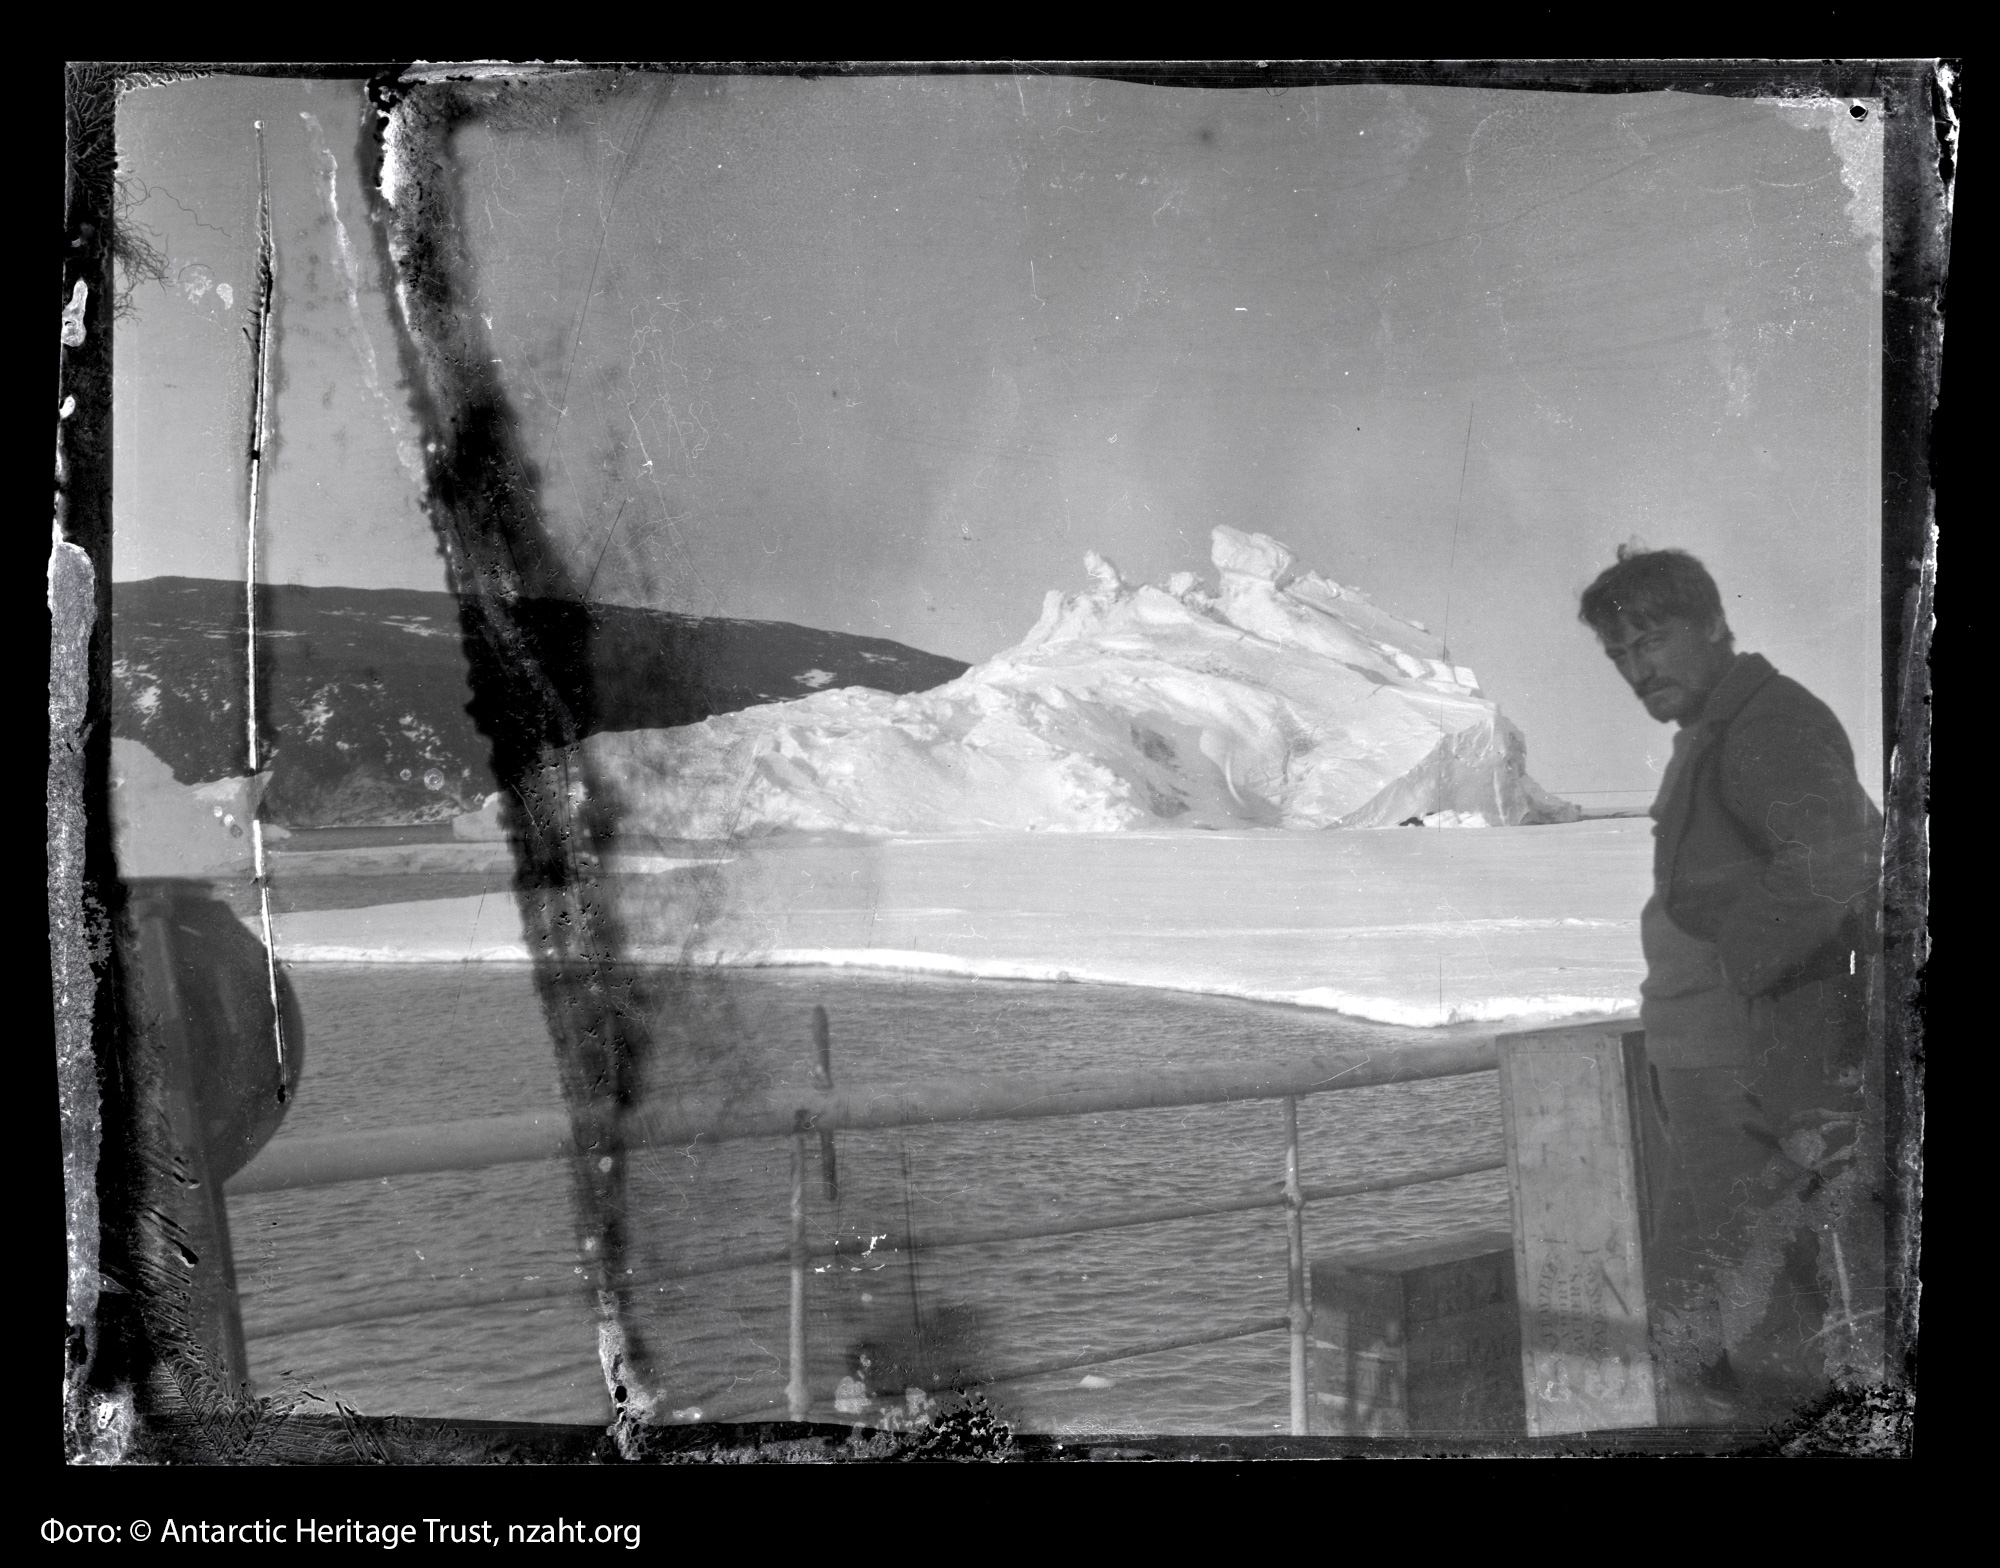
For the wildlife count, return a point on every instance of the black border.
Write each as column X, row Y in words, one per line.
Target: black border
column 111, row 1143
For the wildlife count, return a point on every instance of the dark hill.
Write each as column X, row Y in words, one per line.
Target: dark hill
column 363, row 692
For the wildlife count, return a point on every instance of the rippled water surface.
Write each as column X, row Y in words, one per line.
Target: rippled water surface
column 407, row 1043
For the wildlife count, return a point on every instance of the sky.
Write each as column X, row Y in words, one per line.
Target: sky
column 887, row 356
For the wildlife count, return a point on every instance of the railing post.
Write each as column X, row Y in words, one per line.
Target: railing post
column 1299, row 1310
column 1574, row 1171
column 795, row 1388
column 823, row 1042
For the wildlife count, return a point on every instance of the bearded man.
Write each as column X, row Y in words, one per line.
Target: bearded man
column 1763, row 1149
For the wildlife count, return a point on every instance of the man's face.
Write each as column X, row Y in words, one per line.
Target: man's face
column 1671, row 665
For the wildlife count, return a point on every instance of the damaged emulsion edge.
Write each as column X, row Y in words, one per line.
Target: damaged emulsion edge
column 95, row 1425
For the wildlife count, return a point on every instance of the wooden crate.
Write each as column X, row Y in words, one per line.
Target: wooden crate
column 1419, row 1339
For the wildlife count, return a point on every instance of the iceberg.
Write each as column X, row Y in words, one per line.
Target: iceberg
column 1276, row 699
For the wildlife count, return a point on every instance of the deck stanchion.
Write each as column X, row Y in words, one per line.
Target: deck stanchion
column 823, row 1042
column 795, row 1386
column 1299, row 1311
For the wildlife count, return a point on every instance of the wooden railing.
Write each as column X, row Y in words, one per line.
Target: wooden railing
column 822, row 1110
column 502, row 1140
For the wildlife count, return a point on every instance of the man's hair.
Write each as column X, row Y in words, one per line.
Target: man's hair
column 1647, row 587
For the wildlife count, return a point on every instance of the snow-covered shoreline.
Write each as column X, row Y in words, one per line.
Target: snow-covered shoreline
column 1394, row 925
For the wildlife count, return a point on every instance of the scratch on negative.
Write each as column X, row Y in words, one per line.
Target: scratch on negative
column 259, row 431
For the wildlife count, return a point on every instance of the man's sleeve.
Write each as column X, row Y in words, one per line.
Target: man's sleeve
column 1788, row 779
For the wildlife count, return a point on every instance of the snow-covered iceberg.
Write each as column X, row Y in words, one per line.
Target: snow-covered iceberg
column 1277, row 699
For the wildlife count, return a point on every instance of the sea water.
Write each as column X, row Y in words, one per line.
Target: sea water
column 394, row 1044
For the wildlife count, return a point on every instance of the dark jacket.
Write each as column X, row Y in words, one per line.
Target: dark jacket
column 1767, row 845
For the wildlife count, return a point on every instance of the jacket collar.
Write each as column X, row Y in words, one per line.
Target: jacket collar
column 1736, row 688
